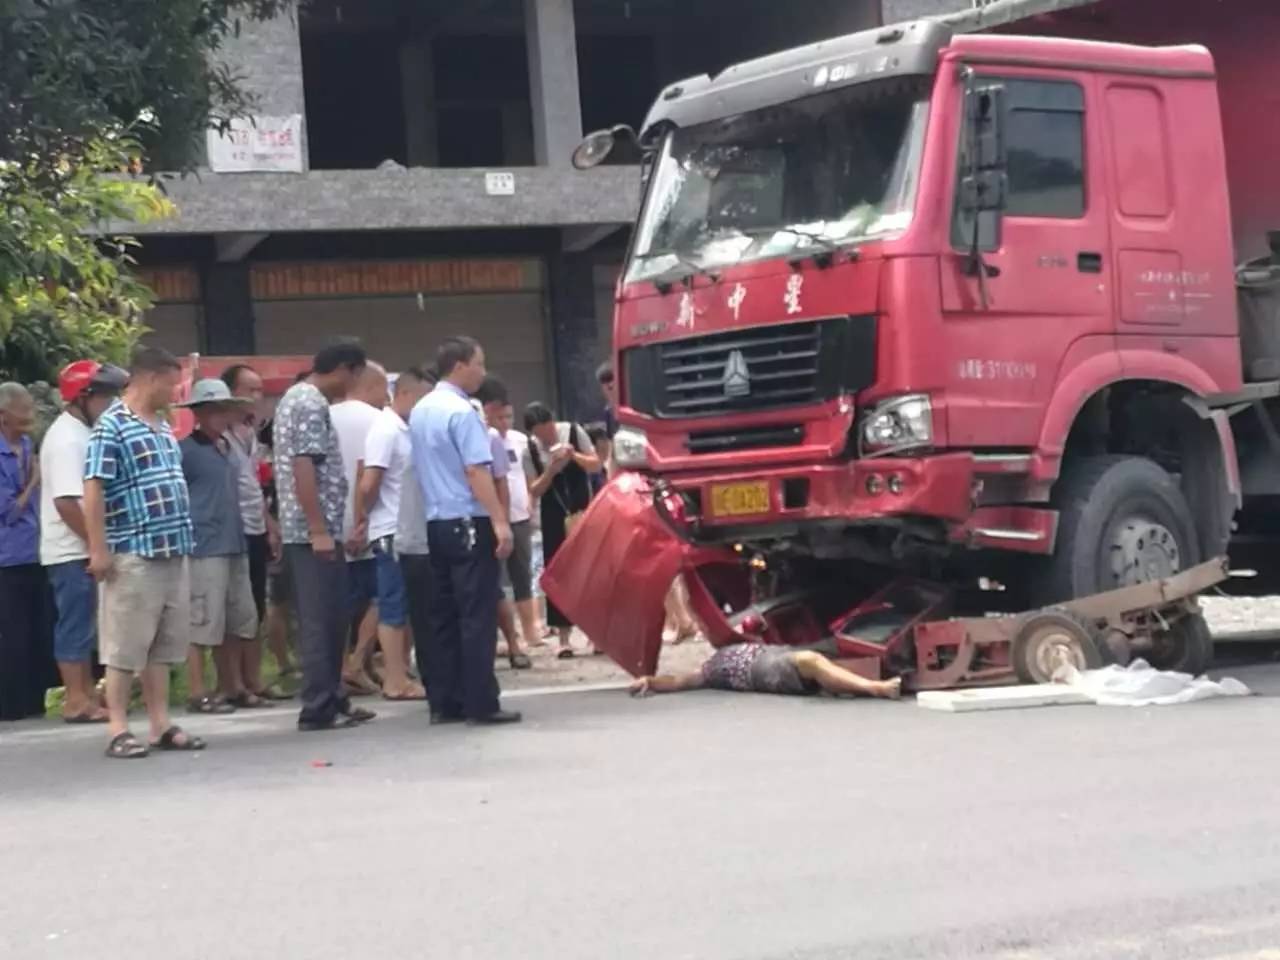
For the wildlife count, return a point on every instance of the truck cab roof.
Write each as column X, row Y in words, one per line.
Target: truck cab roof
column 902, row 50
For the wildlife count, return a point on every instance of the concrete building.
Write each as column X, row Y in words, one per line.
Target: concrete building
column 426, row 187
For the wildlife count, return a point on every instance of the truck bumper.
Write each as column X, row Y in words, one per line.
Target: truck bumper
column 939, row 487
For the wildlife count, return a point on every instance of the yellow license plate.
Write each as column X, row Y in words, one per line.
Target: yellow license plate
column 739, row 499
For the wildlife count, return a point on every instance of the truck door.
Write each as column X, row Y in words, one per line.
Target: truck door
column 1048, row 271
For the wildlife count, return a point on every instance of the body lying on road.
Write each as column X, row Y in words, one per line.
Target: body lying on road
column 761, row 668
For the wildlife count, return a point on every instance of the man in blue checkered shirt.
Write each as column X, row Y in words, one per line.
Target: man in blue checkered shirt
column 138, row 515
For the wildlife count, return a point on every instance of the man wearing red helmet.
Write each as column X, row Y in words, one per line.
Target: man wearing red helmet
column 87, row 389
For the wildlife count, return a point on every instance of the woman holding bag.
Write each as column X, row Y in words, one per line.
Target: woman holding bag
column 558, row 463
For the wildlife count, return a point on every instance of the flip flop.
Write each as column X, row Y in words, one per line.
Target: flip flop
column 412, row 695
column 84, row 718
column 125, row 746
column 520, row 661
column 209, row 705
column 274, row 692
column 169, row 741
column 250, row 701
column 565, row 653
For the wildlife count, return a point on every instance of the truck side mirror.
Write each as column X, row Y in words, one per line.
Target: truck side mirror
column 985, row 184
column 596, row 147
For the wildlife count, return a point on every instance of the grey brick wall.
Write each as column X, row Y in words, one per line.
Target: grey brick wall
column 415, row 199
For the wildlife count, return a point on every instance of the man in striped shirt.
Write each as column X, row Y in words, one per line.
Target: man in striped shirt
column 138, row 517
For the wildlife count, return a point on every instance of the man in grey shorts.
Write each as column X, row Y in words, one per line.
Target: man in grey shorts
column 224, row 615
column 138, row 516
column 764, row 668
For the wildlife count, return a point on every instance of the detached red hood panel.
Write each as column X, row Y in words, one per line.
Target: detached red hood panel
column 611, row 576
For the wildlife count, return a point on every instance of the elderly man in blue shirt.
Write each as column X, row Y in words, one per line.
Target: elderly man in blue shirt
column 25, row 648
column 468, row 533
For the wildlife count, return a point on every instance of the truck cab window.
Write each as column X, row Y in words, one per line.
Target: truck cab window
column 1044, row 134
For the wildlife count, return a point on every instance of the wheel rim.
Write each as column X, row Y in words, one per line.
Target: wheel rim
column 1143, row 550
column 1053, row 646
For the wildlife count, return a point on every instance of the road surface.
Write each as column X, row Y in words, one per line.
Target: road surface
column 702, row 825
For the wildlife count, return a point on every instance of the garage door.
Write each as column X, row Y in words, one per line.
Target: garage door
column 402, row 310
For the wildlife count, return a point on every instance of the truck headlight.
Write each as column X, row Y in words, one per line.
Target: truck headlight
column 630, row 448
column 897, row 425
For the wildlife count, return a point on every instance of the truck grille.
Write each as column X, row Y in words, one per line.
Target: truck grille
column 752, row 369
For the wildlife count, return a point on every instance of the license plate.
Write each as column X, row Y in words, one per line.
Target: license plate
column 739, row 499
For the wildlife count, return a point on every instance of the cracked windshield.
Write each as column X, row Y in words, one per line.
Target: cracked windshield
column 805, row 176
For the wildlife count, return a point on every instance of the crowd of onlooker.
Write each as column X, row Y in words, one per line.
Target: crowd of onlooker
column 390, row 527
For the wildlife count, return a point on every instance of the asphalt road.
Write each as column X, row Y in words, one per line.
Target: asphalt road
column 701, row 825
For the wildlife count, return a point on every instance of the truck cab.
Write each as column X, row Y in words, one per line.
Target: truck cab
column 946, row 302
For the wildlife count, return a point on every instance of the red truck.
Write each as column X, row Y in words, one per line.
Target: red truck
column 956, row 307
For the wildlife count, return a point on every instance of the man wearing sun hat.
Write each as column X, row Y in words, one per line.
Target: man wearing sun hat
column 223, row 612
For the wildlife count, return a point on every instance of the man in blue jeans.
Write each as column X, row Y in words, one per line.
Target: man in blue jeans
column 468, row 533
column 388, row 454
column 87, row 388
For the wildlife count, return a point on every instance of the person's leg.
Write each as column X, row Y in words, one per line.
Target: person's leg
column 837, row 680
column 171, row 578
column 18, row 663
column 527, row 611
column 75, row 597
column 677, row 605
column 119, row 687
column 520, row 577
column 393, row 619
column 362, row 587
column 475, row 582
column 318, row 697
column 251, row 650
column 196, row 689
column 333, row 580
column 130, row 609
column 441, row 668
column 240, row 615
column 279, row 600
column 417, row 586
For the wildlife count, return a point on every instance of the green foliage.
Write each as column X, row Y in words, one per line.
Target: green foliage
column 91, row 93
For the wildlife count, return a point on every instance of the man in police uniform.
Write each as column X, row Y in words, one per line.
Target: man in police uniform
column 468, row 533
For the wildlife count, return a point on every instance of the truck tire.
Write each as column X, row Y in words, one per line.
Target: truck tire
column 1121, row 520
column 1187, row 647
column 1049, row 638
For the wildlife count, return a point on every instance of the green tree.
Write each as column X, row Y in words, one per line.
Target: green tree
column 92, row 93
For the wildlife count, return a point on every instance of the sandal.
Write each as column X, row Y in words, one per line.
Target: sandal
column 249, row 701
column 169, row 741
column 87, row 717
column 411, row 693
column 209, row 705
column 359, row 686
column 565, row 653
column 520, row 661
column 358, row 714
column 274, row 692
column 125, row 746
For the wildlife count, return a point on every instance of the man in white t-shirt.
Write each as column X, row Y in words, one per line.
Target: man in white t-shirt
column 388, row 456
column 87, row 389
column 517, row 571
column 353, row 419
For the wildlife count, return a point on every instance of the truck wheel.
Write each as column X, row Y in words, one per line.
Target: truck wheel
column 1121, row 521
column 1051, row 638
column 1186, row 647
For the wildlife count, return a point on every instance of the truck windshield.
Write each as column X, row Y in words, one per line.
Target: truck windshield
column 830, row 169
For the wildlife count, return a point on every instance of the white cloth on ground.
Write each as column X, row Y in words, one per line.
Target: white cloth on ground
column 1142, row 685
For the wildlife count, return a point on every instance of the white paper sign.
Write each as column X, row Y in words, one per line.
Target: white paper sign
column 270, row 144
column 500, row 184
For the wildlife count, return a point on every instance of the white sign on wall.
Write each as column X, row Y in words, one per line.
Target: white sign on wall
column 260, row 144
column 500, row 184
